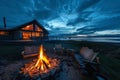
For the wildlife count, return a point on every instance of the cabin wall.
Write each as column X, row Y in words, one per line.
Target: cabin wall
column 5, row 35
column 11, row 35
column 28, row 32
column 16, row 35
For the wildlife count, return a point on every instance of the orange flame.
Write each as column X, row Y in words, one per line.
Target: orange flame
column 42, row 65
column 42, row 60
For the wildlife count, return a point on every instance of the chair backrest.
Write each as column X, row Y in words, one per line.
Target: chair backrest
column 58, row 46
column 94, row 56
column 88, row 53
column 31, row 49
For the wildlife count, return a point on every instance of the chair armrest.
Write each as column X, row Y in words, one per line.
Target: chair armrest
column 92, row 63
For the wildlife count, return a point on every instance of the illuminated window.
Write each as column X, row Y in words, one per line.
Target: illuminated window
column 29, row 27
column 33, row 34
column 37, row 28
column 29, row 35
column 36, row 34
column 26, row 35
column 3, row 33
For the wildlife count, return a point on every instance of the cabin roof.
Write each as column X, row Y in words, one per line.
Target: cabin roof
column 25, row 24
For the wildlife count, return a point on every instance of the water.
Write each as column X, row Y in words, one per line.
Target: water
column 94, row 39
column 100, row 39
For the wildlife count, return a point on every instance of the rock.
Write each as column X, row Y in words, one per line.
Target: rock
column 4, row 62
column 2, row 70
column 0, row 78
column 39, row 79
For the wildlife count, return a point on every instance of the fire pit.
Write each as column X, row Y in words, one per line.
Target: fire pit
column 43, row 66
column 46, row 68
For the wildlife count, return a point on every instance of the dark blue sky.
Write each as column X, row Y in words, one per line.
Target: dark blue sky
column 79, row 17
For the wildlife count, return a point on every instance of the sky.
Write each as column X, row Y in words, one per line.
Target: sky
column 65, row 17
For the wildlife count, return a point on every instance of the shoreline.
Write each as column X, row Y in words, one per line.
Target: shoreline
column 35, row 42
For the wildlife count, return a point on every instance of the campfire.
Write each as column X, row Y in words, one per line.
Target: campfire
column 39, row 66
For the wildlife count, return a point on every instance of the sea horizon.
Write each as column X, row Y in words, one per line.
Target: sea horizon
column 93, row 39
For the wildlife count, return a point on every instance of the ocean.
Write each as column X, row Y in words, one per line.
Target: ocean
column 94, row 39
column 100, row 39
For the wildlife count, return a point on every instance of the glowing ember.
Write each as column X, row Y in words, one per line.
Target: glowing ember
column 41, row 65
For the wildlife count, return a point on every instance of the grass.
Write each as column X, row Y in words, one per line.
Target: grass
column 109, row 55
column 110, row 67
column 10, row 52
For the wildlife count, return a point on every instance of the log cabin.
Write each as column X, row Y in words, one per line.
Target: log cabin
column 32, row 30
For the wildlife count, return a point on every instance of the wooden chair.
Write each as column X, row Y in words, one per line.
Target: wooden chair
column 88, row 54
column 87, row 64
column 58, row 49
column 30, row 51
column 86, row 57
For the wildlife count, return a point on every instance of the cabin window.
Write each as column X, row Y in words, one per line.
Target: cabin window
column 3, row 33
column 33, row 34
column 37, row 28
column 31, row 31
column 36, row 34
column 26, row 35
column 29, row 35
column 29, row 27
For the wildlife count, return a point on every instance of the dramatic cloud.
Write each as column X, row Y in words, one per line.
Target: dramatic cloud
column 79, row 17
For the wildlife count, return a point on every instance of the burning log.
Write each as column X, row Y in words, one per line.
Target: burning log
column 41, row 66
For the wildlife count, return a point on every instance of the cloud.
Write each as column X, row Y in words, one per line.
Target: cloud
column 64, row 16
column 107, row 32
column 86, row 4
